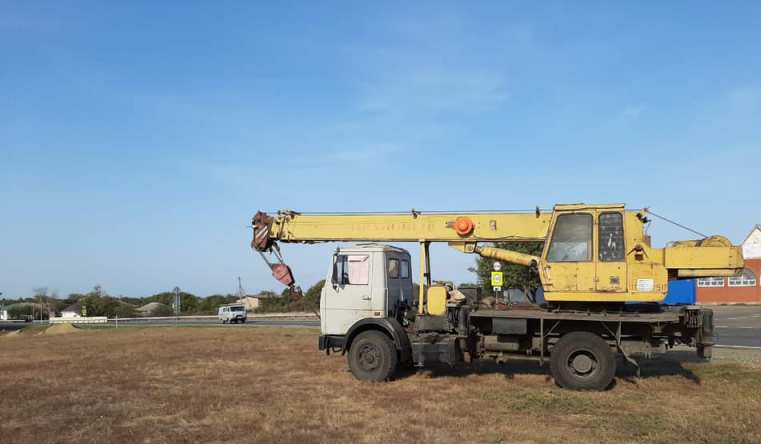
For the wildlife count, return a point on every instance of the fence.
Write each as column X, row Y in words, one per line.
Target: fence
column 82, row 320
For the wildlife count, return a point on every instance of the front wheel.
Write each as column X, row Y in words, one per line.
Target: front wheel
column 372, row 357
column 582, row 361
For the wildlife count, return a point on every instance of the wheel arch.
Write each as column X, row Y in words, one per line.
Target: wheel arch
column 389, row 326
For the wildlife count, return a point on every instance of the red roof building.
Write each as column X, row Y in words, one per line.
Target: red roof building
column 742, row 289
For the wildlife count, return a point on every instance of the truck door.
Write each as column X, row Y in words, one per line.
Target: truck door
column 398, row 281
column 347, row 296
column 611, row 254
column 569, row 262
column 393, row 286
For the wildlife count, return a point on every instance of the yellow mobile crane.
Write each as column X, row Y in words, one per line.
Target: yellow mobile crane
column 595, row 258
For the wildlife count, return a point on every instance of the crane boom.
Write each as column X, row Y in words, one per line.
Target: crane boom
column 592, row 253
column 415, row 226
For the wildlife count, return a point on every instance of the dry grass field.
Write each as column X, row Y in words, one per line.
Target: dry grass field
column 157, row 385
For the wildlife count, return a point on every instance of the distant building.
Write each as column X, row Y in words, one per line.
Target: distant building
column 72, row 311
column 250, row 302
column 742, row 289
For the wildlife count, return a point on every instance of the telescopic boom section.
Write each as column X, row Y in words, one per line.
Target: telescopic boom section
column 462, row 231
column 289, row 226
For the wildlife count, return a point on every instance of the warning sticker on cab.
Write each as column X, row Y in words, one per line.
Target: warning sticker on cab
column 645, row 285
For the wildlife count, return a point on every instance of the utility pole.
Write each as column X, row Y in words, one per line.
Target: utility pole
column 176, row 304
column 241, row 293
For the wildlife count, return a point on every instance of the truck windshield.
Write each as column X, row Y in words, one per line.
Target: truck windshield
column 236, row 308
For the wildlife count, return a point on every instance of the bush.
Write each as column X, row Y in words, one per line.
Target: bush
column 163, row 310
column 26, row 309
column 312, row 296
column 210, row 304
column 516, row 276
column 189, row 303
column 290, row 301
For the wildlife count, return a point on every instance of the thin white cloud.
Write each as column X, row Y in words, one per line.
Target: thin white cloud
column 363, row 154
column 746, row 97
column 629, row 114
column 430, row 88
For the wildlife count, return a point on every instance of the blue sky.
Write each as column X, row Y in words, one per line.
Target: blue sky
column 138, row 138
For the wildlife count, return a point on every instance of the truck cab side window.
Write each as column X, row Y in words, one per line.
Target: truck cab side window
column 571, row 239
column 352, row 269
column 405, row 270
column 611, row 237
column 393, row 268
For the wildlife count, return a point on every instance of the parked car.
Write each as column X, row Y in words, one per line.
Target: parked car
column 232, row 313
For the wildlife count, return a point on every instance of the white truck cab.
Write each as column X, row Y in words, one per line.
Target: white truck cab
column 364, row 281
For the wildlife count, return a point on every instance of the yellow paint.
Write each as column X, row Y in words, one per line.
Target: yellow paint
column 437, row 300
column 513, row 257
column 603, row 297
column 436, row 227
column 423, row 275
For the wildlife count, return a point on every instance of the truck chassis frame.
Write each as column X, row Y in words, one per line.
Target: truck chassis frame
column 537, row 333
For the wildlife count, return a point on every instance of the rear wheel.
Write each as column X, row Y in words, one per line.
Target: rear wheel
column 582, row 361
column 372, row 357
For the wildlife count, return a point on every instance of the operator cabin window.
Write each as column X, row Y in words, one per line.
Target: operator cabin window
column 611, row 237
column 746, row 279
column 393, row 268
column 572, row 239
column 352, row 269
column 711, row 282
column 405, row 269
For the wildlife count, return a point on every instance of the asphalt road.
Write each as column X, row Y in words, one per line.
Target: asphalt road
column 251, row 322
column 737, row 326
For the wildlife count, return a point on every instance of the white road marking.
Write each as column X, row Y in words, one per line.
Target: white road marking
column 731, row 326
column 749, row 347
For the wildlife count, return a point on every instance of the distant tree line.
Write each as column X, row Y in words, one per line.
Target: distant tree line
column 98, row 302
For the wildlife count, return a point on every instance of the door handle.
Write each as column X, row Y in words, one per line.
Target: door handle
column 365, row 298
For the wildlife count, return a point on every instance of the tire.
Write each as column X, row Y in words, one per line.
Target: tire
column 582, row 361
column 372, row 357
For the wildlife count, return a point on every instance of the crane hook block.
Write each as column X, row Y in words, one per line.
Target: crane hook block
column 282, row 273
column 463, row 226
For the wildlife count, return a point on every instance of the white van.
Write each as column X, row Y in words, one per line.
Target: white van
column 232, row 313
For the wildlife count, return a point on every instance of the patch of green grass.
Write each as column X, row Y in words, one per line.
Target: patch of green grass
column 730, row 374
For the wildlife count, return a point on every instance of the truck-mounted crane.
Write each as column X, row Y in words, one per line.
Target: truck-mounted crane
column 602, row 285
